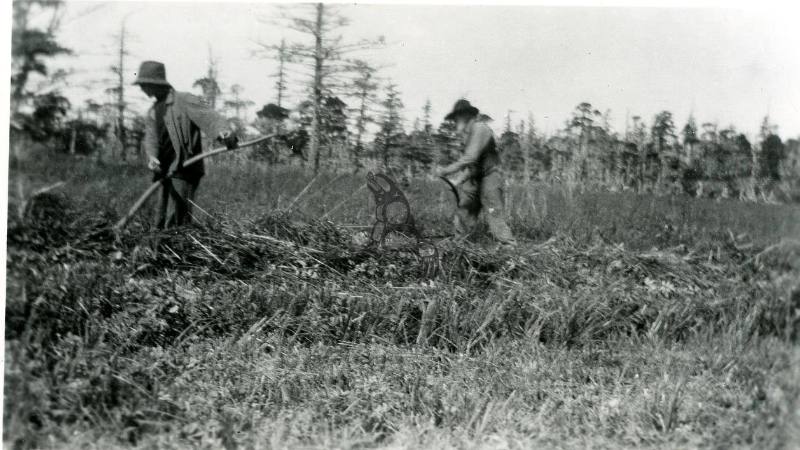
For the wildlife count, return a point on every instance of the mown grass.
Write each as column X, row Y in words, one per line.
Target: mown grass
column 622, row 321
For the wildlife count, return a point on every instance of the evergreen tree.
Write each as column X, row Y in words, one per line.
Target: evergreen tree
column 447, row 143
column 283, row 57
column 770, row 158
column 538, row 160
column 662, row 133
column 580, row 129
column 118, row 90
column 767, row 129
column 209, row 84
column 238, row 104
column 36, row 114
column 690, row 140
column 510, row 147
column 29, row 46
column 323, row 54
column 426, row 117
column 363, row 90
column 662, row 162
column 391, row 126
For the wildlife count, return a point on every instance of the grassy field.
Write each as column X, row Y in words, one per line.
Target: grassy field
column 622, row 321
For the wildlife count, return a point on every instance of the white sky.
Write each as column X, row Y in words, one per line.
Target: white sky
column 729, row 66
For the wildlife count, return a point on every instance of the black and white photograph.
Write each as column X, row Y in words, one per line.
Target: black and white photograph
column 387, row 225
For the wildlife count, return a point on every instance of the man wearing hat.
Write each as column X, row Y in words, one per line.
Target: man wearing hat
column 478, row 176
column 172, row 135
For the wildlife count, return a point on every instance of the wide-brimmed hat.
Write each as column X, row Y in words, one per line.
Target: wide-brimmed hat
column 462, row 107
column 273, row 111
column 152, row 72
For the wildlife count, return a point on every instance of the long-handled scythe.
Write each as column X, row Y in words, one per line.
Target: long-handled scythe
column 452, row 188
column 153, row 187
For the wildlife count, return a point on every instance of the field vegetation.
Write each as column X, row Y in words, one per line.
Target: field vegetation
column 622, row 320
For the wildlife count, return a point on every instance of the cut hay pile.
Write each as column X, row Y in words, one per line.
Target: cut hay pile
column 554, row 291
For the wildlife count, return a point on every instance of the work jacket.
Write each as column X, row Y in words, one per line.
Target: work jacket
column 480, row 157
column 185, row 116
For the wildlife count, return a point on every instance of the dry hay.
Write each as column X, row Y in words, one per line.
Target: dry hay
column 558, row 290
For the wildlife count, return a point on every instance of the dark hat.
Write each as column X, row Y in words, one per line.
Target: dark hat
column 152, row 72
column 462, row 108
column 273, row 111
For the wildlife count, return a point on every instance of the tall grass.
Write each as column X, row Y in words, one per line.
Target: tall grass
column 537, row 211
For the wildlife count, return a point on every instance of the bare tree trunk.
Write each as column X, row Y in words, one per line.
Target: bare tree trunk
column 526, row 145
column 121, row 93
column 318, row 60
column 281, row 85
column 362, row 118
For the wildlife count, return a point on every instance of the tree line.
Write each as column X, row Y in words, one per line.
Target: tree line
column 704, row 160
column 352, row 118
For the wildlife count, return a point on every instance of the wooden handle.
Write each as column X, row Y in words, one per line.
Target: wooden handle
column 153, row 187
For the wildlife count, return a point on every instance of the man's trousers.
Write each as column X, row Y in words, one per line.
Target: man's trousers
column 175, row 205
column 483, row 194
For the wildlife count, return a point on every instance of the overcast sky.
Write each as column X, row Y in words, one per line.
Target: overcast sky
column 727, row 66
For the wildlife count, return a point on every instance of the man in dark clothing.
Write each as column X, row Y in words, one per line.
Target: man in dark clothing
column 478, row 176
column 172, row 135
